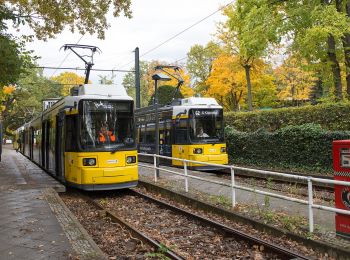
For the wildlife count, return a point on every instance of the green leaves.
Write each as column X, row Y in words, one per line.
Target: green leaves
column 165, row 95
column 305, row 147
column 199, row 64
column 48, row 18
column 332, row 117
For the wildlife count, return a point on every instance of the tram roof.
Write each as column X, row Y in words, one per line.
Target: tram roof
column 191, row 102
column 86, row 91
column 100, row 90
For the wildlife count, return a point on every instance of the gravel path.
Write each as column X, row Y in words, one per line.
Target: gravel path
column 187, row 237
column 114, row 240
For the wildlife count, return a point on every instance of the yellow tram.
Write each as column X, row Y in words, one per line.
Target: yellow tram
column 190, row 128
column 86, row 140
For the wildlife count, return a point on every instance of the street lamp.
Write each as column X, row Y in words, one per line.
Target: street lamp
column 157, row 77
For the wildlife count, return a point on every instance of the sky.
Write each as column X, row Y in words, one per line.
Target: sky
column 153, row 22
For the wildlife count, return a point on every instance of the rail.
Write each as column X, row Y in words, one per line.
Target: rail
column 234, row 186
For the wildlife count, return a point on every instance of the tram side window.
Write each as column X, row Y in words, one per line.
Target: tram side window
column 181, row 132
column 71, row 135
column 150, row 136
column 181, row 136
column 142, row 134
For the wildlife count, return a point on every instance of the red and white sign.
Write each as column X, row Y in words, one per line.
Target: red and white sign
column 341, row 166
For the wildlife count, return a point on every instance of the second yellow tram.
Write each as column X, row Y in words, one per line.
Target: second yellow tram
column 190, row 128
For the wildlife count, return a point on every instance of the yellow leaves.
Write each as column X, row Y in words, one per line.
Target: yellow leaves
column 8, row 90
column 68, row 80
column 294, row 82
column 185, row 89
column 227, row 83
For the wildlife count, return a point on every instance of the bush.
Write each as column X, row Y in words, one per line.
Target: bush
column 306, row 147
column 331, row 117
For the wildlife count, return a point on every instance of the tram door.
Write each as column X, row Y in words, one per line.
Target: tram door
column 59, row 155
column 46, row 144
column 43, row 141
column 31, row 142
column 165, row 143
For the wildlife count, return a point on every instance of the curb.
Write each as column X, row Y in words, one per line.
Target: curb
column 80, row 240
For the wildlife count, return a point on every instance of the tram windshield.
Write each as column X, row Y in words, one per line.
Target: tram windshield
column 107, row 125
column 206, row 125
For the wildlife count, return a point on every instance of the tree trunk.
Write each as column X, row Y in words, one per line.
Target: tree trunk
column 346, row 44
column 249, row 86
column 332, row 56
column 335, row 67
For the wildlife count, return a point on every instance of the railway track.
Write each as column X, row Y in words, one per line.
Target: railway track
column 180, row 234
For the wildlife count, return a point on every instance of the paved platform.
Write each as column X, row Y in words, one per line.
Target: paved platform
column 34, row 222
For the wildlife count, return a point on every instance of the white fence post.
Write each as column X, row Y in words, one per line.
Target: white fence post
column 155, row 167
column 310, row 195
column 233, row 190
column 186, row 174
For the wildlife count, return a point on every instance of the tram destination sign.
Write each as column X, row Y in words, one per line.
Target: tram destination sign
column 206, row 112
column 95, row 106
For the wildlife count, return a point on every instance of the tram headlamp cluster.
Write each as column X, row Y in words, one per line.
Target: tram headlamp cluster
column 223, row 149
column 197, row 150
column 89, row 161
column 131, row 159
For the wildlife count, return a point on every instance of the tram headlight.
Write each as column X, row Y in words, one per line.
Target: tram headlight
column 223, row 149
column 197, row 150
column 131, row 159
column 89, row 161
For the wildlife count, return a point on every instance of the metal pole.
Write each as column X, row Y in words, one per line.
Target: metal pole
column 233, row 187
column 155, row 168
column 88, row 68
column 310, row 195
column 137, row 77
column 156, row 123
column 186, row 178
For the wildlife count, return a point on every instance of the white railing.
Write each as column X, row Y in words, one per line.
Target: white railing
column 234, row 186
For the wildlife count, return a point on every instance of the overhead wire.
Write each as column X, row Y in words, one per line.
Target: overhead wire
column 179, row 33
column 77, row 69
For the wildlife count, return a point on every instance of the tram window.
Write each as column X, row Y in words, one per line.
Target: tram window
column 181, row 136
column 106, row 125
column 150, row 137
column 70, row 133
column 141, row 135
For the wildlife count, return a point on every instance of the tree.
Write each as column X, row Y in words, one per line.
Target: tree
column 22, row 102
column 185, row 89
column 311, row 28
column 68, row 80
column 249, row 34
column 165, row 95
column 147, row 83
column 130, row 86
column 199, row 64
column 294, row 82
column 227, row 83
column 14, row 59
column 343, row 7
column 50, row 18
